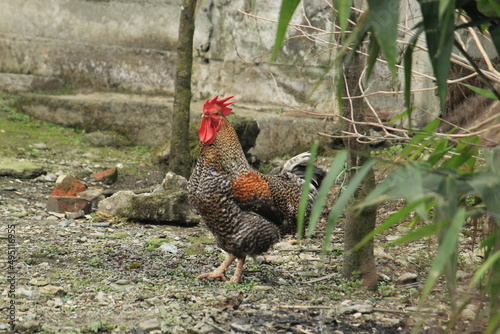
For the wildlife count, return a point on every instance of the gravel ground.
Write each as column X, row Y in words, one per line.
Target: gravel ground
column 100, row 274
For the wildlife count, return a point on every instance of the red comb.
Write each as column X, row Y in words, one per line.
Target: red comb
column 214, row 105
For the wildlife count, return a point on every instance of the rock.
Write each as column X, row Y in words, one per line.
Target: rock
column 101, row 298
column 108, row 176
column 115, row 203
column 24, row 292
column 92, row 195
column 407, row 278
column 31, row 326
column 361, row 308
column 106, row 139
column 380, row 253
column 53, row 290
column 63, row 204
column 101, row 224
column 462, row 274
column 169, row 248
column 149, row 325
column 167, row 203
column 174, row 182
column 50, row 177
column 241, row 328
column 20, row 169
column 40, row 146
column 262, row 288
column 119, row 235
column 38, row 282
column 69, row 187
column 75, row 215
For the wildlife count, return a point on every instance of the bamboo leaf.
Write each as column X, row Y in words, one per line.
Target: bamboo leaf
column 440, row 149
column 372, row 55
column 420, row 136
column 408, row 62
column 439, row 35
column 487, row 186
column 390, row 221
column 287, row 9
column 445, row 252
column 422, row 232
column 481, row 91
column 343, row 200
column 466, row 148
column 343, row 8
column 327, row 184
column 484, row 268
column 384, row 16
column 495, row 36
column 480, row 73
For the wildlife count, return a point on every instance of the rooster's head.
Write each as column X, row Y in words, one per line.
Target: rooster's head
column 211, row 119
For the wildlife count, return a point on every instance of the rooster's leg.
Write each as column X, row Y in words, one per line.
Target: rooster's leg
column 236, row 279
column 219, row 272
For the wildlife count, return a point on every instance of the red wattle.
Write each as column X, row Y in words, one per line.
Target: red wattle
column 208, row 129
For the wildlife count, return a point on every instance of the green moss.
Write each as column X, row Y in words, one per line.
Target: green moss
column 157, row 242
column 119, row 235
column 195, row 249
column 202, row 240
column 20, row 133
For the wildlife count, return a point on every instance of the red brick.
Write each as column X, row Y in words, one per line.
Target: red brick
column 108, row 176
column 69, row 187
column 68, row 204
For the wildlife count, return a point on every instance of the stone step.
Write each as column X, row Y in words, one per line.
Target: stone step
column 146, row 119
column 15, row 83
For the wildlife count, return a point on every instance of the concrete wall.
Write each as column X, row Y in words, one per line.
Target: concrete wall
column 129, row 45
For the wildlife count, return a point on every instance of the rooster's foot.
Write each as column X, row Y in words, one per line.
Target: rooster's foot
column 215, row 275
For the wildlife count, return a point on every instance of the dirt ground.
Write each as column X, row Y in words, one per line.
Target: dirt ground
column 105, row 275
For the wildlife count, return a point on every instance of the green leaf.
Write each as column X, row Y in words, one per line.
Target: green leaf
column 422, row 232
column 465, row 150
column 408, row 62
column 343, row 200
column 495, row 36
column 287, row 9
column 481, row 75
column 487, row 186
column 439, row 150
column 326, row 185
column 400, row 215
column 490, row 8
column 445, row 252
column 420, row 136
column 439, row 32
column 343, row 8
column 372, row 55
column 481, row 91
column 384, row 16
column 484, row 268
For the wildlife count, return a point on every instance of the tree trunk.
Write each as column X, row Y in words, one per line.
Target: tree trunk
column 358, row 225
column 180, row 160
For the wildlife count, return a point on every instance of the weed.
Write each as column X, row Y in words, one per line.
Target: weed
column 388, row 151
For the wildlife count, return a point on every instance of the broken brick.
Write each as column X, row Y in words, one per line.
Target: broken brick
column 108, row 176
column 69, row 187
column 68, row 204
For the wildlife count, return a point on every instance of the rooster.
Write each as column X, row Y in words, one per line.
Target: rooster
column 246, row 211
